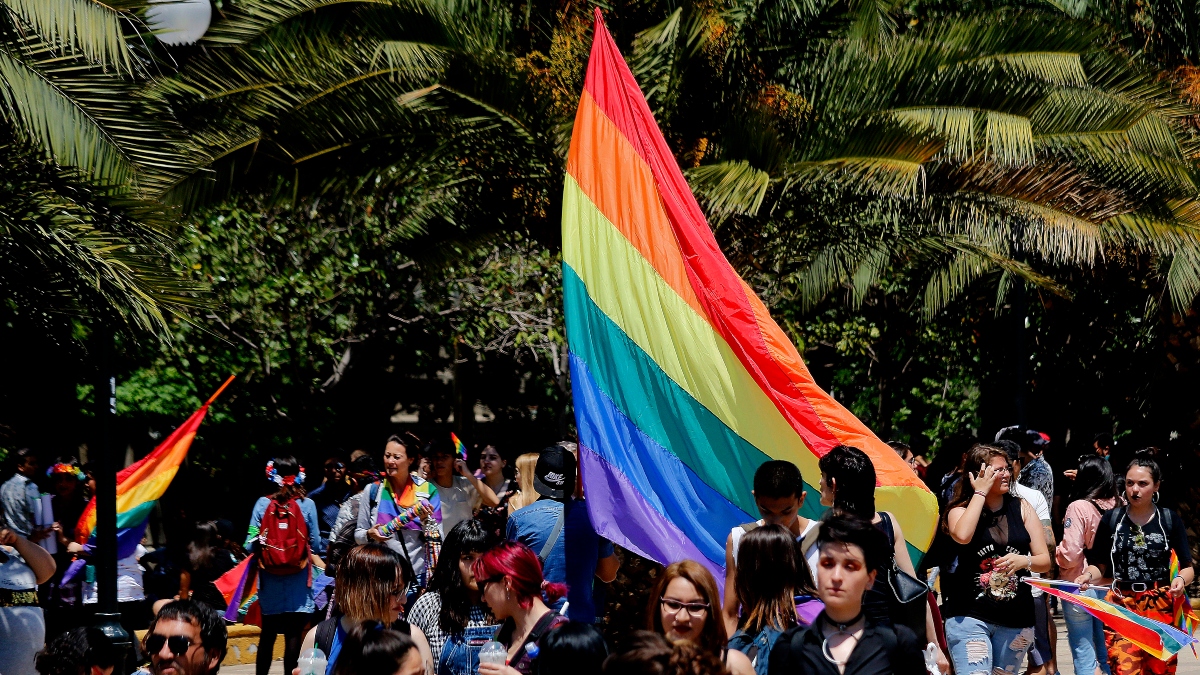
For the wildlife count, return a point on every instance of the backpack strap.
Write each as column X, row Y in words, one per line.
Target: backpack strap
column 325, row 632
column 554, row 535
column 372, row 496
column 748, row 527
column 810, row 538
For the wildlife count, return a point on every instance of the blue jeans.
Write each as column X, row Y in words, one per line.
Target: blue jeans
column 981, row 648
column 460, row 654
column 1085, row 634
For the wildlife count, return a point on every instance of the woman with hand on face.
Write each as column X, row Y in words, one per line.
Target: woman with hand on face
column 384, row 504
column 685, row 606
column 452, row 613
column 988, row 610
column 843, row 637
column 462, row 494
column 1133, row 548
column 510, row 577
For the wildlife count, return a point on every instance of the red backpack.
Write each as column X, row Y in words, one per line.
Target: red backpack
column 283, row 538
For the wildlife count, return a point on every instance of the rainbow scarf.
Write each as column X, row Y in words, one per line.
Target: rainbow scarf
column 682, row 382
column 416, row 490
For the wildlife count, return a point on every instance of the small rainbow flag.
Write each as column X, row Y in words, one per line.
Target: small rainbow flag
column 1186, row 619
column 141, row 484
column 683, row 384
column 239, row 587
column 1158, row 639
column 459, row 447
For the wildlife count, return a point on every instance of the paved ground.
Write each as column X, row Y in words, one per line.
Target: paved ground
column 1188, row 664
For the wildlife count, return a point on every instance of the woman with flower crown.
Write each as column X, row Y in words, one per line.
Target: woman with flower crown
column 286, row 600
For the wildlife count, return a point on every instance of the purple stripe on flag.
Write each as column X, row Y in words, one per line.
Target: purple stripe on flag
column 620, row 514
column 235, row 600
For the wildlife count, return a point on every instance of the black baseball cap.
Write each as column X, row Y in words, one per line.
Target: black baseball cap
column 554, row 475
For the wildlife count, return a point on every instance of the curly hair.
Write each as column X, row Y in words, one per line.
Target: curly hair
column 75, row 652
column 651, row 654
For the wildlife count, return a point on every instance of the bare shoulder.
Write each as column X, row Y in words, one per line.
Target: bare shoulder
column 738, row 663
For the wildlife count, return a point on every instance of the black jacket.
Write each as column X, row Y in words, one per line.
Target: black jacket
column 881, row 650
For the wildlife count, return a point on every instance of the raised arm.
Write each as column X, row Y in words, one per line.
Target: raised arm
column 486, row 493
column 962, row 520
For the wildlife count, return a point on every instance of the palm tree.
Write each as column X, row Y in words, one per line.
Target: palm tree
column 1003, row 144
column 86, row 157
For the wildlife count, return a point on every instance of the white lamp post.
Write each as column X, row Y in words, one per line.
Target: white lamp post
column 179, row 22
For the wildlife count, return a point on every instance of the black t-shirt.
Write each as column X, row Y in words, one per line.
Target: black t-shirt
column 976, row 588
column 880, row 651
column 1129, row 552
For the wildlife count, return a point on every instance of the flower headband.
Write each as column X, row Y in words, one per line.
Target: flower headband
column 274, row 477
column 64, row 468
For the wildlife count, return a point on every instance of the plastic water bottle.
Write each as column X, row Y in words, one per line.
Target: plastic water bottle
column 493, row 652
column 312, row 662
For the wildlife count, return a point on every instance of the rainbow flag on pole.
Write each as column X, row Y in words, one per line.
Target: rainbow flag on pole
column 140, row 484
column 683, row 384
column 1160, row 640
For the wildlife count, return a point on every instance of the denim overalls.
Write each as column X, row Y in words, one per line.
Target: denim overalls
column 460, row 654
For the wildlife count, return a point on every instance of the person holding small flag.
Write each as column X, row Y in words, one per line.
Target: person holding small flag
column 1143, row 549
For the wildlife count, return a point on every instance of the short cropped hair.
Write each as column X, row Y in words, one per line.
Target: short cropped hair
column 777, row 479
column 846, row 528
column 211, row 624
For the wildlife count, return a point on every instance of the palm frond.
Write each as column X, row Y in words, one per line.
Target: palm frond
column 93, row 28
column 728, row 188
column 249, row 19
column 91, row 121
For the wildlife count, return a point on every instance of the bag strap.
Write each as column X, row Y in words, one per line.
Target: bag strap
column 325, row 632
column 888, row 529
column 372, row 495
column 810, row 538
column 554, row 535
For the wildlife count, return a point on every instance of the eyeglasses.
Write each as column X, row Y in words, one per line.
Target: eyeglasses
column 489, row 580
column 694, row 609
column 178, row 644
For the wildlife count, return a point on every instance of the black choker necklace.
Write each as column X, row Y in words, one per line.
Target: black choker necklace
column 841, row 630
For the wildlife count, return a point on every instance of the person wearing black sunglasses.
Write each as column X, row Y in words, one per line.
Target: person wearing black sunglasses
column 186, row 638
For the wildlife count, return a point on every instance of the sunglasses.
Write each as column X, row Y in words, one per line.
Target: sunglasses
column 178, row 644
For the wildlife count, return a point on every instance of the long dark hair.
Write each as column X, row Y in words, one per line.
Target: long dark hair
column 1094, row 479
column 771, row 571
column 201, row 548
column 854, row 480
column 469, row 536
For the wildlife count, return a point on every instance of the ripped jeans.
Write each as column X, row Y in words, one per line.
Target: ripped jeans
column 981, row 648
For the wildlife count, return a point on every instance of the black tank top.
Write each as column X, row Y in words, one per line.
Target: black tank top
column 977, row 590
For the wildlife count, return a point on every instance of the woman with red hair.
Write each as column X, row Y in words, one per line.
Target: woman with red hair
column 510, row 577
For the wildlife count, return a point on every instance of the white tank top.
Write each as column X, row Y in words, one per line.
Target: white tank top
column 811, row 556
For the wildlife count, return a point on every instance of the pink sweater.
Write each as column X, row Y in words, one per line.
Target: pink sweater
column 1079, row 529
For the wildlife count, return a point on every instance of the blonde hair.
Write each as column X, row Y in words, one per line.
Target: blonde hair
column 526, row 464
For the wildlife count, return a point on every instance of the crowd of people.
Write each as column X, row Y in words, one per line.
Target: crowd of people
column 432, row 560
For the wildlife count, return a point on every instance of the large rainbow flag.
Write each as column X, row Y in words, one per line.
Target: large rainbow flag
column 141, row 484
column 683, row 384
